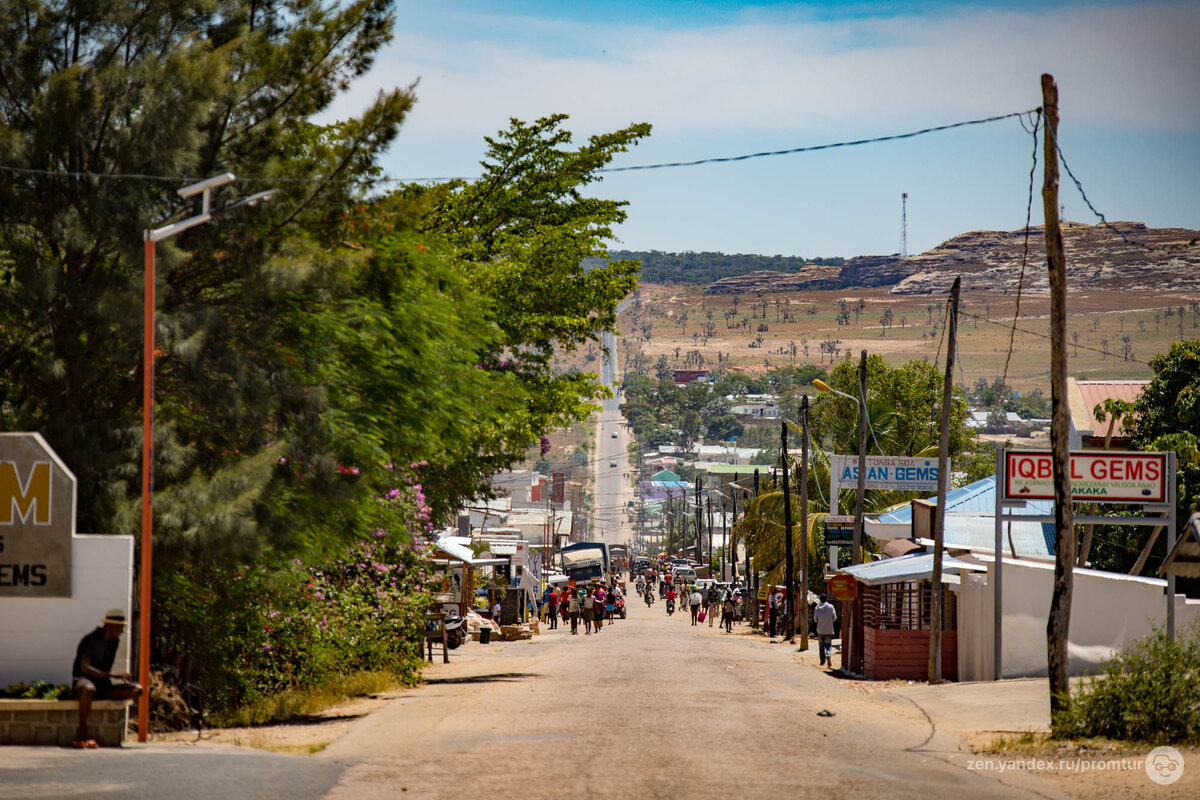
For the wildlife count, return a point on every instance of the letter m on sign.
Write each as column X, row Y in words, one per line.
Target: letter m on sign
column 25, row 499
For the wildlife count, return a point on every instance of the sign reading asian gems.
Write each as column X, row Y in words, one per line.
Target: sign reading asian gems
column 1115, row 477
column 902, row 473
column 37, row 518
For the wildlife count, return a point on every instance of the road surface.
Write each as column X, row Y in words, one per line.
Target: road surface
column 612, row 473
column 651, row 707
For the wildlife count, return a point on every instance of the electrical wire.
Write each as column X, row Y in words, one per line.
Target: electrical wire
column 86, row 175
column 1025, row 252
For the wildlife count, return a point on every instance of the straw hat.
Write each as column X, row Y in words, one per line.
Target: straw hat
column 114, row 616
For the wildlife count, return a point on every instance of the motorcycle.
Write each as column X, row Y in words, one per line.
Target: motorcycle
column 649, row 598
column 670, row 606
column 619, row 607
column 456, row 631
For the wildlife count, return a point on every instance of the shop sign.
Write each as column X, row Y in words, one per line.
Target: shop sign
column 900, row 473
column 37, row 518
column 839, row 530
column 1114, row 477
column 843, row 587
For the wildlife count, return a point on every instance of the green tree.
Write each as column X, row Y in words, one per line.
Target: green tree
column 95, row 92
column 1167, row 416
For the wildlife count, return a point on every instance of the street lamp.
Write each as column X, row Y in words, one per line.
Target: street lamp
column 152, row 237
column 863, row 422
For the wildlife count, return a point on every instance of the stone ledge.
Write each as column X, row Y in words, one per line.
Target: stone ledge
column 53, row 722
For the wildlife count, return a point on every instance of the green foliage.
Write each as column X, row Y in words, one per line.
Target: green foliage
column 1149, row 692
column 38, row 690
column 1167, row 416
column 691, row 268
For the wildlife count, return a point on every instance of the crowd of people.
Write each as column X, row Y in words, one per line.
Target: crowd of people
column 593, row 604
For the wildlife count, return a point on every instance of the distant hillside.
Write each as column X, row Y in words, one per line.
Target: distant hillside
column 991, row 260
column 701, row 269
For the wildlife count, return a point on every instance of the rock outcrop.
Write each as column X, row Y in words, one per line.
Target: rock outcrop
column 1147, row 259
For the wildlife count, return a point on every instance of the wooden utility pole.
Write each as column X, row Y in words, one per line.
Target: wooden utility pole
column 856, row 554
column 1058, row 626
column 804, row 522
column 699, row 522
column 936, row 590
column 789, row 578
column 708, row 502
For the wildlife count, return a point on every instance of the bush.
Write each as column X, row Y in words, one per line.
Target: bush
column 38, row 690
column 1149, row 692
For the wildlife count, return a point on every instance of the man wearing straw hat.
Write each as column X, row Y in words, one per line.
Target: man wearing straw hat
column 92, row 672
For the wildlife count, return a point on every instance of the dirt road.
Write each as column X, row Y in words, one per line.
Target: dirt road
column 650, row 707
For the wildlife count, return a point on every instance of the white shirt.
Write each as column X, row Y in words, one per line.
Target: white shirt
column 825, row 614
column 695, row 599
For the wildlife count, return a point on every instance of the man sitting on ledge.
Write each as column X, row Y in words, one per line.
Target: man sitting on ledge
column 91, row 673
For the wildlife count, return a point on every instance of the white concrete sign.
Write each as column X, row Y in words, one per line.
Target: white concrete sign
column 901, row 473
column 1116, row 477
column 37, row 518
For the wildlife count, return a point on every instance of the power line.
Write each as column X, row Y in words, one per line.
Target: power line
column 1012, row 335
column 1104, row 220
column 814, row 148
column 1105, row 353
column 99, row 176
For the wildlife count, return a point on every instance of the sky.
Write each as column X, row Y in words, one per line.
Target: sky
column 720, row 79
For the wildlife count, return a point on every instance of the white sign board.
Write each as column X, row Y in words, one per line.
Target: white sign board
column 902, row 473
column 37, row 518
column 1115, row 477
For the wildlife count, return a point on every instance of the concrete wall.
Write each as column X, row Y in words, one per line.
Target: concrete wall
column 38, row 636
column 1108, row 612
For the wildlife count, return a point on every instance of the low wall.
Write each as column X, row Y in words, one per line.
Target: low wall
column 54, row 722
column 889, row 654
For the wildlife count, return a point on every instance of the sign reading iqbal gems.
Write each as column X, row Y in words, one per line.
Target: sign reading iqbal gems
column 37, row 518
column 1115, row 477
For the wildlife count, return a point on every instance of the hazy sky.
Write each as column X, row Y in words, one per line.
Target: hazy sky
column 728, row 78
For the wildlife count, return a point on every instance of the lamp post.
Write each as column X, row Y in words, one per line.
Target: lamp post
column 152, row 236
column 863, row 422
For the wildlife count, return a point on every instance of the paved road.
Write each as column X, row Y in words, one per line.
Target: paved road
column 651, row 707
column 612, row 484
column 162, row 772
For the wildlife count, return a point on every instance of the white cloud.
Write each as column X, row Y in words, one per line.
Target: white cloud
column 1132, row 66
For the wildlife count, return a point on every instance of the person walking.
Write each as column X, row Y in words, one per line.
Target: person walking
column 598, row 609
column 552, row 607
column 728, row 610
column 589, row 603
column 714, row 598
column 574, row 608
column 694, row 601
column 825, row 615
column 773, row 610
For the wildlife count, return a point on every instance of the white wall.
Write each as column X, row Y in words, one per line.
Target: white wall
column 38, row 636
column 1108, row 612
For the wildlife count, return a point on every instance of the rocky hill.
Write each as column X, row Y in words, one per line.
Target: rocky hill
column 1097, row 258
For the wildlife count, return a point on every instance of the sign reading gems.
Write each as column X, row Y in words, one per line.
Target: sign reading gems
column 37, row 518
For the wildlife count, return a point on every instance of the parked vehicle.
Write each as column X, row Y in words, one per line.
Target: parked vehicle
column 456, row 631
column 614, row 435
column 685, row 575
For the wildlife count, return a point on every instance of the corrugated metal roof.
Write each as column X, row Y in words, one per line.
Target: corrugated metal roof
column 1092, row 394
column 974, row 498
column 908, row 568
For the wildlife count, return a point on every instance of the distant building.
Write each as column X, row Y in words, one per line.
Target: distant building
column 686, row 376
column 1083, row 397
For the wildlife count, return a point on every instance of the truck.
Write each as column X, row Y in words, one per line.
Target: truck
column 586, row 561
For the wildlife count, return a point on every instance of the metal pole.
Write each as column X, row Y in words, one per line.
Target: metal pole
column 144, row 577
column 1171, row 521
column 789, row 568
column 804, row 577
column 856, row 554
column 997, row 578
column 724, row 533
